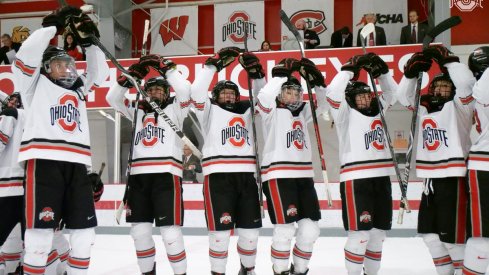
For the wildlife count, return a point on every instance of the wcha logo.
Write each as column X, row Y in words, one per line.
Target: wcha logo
column 315, row 20
column 235, row 132
column 375, row 136
column 383, row 19
column 150, row 133
column 466, row 5
column 296, row 136
column 66, row 114
column 433, row 137
column 173, row 29
column 236, row 27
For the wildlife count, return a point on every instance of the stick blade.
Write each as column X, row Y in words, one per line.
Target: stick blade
column 285, row 19
column 441, row 27
column 367, row 30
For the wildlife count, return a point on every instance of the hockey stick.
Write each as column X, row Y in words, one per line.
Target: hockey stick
column 253, row 126
column 367, row 30
column 441, row 27
column 285, row 19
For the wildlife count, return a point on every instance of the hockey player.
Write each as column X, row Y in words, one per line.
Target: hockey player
column 366, row 162
column 228, row 163
column 477, row 248
column 55, row 144
column 286, row 167
column 155, row 192
column 445, row 117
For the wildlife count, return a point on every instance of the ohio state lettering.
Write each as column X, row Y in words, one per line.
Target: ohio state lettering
column 375, row 136
column 296, row 136
column 433, row 137
column 150, row 133
column 66, row 114
column 235, row 29
column 236, row 133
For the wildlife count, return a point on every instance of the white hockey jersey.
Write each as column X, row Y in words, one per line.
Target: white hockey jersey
column 443, row 136
column 479, row 152
column 157, row 149
column 11, row 171
column 228, row 136
column 56, row 125
column 363, row 148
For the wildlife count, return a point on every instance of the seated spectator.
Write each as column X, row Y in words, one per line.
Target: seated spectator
column 415, row 31
column 8, row 50
column 342, row 38
column 191, row 165
column 376, row 38
column 71, row 47
column 265, row 46
column 311, row 38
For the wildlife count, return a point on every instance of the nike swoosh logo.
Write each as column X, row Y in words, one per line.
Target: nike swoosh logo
column 256, row 220
column 363, row 241
column 162, row 218
column 91, row 217
column 481, row 258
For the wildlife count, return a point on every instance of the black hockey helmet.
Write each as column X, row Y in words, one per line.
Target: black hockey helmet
column 68, row 71
column 355, row 88
column 437, row 97
column 15, row 95
column 291, row 84
column 479, row 61
column 225, row 84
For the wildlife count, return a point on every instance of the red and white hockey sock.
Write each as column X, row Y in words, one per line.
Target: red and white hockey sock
column 52, row 263
column 12, row 250
column 439, row 253
column 355, row 248
column 307, row 234
column 142, row 235
column 218, row 250
column 373, row 254
column 81, row 241
column 175, row 248
column 281, row 242
column 61, row 244
column 476, row 258
column 247, row 243
column 38, row 243
column 456, row 252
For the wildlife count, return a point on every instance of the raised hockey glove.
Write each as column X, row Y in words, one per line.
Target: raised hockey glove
column 416, row 64
column 137, row 71
column 354, row 64
column 376, row 66
column 252, row 66
column 310, row 72
column 441, row 55
column 84, row 30
column 159, row 63
column 67, row 12
column 223, row 58
column 53, row 20
column 286, row 67
column 97, row 186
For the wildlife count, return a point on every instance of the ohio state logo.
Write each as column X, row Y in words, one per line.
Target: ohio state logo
column 433, row 137
column 225, row 218
column 236, row 132
column 365, row 217
column 292, row 211
column 66, row 114
column 235, row 29
column 296, row 136
column 314, row 19
column 46, row 214
column 375, row 136
column 150, row 133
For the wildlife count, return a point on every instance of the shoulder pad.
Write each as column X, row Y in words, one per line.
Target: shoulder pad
column 9, row 112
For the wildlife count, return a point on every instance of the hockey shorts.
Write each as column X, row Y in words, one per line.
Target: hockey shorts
column 12, row 214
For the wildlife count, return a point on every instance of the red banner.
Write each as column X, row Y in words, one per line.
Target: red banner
column 328, row 61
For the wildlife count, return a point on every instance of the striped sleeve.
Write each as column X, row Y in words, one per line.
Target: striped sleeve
column 7, row 125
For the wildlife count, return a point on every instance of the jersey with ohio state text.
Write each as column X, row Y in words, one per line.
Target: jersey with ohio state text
column 56, row 123
column 479, row 152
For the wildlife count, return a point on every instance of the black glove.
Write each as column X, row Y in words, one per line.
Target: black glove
column 137, row 71
column 376, row 66
column 310, row 73
column 67, row 12
column 441, row 55
column 84, row 29
column 354, row 64
column 252, row 66
column 157, row 62
column 53, row 20
column 97, row 186
column 223, row 58
column 419, row 62
column 286, row 67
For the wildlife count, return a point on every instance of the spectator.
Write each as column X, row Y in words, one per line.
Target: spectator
column 342, row 38
column 71, row 47
column 376, row 38
column 191, row 165
column 415, row 31
column 311, row 38
column 8, row 50
column 265, row 46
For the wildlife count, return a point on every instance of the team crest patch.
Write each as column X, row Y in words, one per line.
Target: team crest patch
column 65, row 114
column 433, row 135
column 365, row 217
column 225, row 218
column 292, row 211
column 235, row 132
column 46, row 214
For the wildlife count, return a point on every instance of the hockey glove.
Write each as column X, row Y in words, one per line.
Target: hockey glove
column 84, row 29
column 223, row 58
column 441, row 55
column 67, row 12
column 252, row 66
column 419, row 62
column 137, row 71
column 310, row 73
column 354, row 64
column 97, row 186
column 286, row 67
column 53, row 20
column 157, row 62
column 376, row 66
